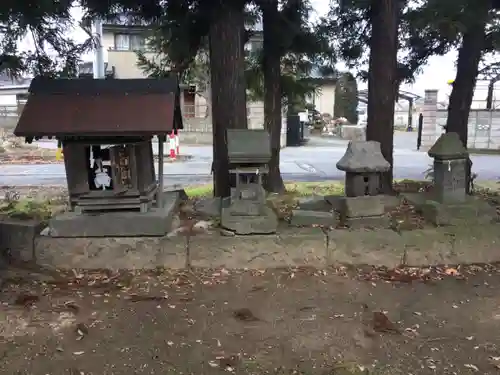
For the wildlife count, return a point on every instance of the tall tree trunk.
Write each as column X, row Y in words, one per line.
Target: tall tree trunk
column 272, row 91
column 462, row 93
column 227, row 76
column 382, row 80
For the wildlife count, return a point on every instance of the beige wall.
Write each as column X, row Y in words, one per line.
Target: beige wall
column 325, row 100
column 125, row 62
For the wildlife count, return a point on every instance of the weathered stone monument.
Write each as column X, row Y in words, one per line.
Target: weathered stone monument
column 363, row 162
column 106, row 128
column 447, row 203
column 450, row 163
column 249, row 152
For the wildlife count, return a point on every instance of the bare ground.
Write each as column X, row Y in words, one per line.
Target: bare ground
column 278, row 321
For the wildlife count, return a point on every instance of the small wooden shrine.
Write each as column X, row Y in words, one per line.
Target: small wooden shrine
column 106, row 127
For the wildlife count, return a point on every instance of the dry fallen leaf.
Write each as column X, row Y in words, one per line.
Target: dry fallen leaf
column 26, row 300
column 451, row 271
column 245, row 315
column 81, row 331
column 471, row 366
column 381, row 323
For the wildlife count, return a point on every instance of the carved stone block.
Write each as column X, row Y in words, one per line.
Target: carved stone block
column 450, row 180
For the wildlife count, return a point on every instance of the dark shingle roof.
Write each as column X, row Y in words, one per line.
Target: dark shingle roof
column 100, row 107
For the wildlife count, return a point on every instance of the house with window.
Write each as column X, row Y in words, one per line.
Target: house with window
column 121, row 39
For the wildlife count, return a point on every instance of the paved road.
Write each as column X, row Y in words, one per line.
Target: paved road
column 313, row 162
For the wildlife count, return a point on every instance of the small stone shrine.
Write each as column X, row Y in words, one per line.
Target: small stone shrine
column 249, row 152
column 362, row 162
column 450, row 163
column 106, row 129
column 447, row 204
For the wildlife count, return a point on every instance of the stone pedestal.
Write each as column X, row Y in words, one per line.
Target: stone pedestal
column 264, row 221
column 363, row 211
column 156, row 222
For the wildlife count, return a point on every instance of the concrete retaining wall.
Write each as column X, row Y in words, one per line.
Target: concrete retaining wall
column 483, row 125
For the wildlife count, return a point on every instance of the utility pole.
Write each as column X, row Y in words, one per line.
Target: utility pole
column 98, row 65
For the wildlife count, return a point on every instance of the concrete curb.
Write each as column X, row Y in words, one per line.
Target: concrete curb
column 288, row 248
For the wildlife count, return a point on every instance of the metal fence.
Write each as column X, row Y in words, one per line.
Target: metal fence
column 197, row 117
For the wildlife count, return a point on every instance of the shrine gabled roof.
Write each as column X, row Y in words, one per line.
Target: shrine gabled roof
column 100, row 107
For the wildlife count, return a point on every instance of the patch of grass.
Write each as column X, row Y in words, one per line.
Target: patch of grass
column 202, row 191
column 28, row 209
column 411, row 186
column 304, row 189
column 296, row 189
column 491, row 186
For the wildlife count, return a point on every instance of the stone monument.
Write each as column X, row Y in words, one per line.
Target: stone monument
column 450, row 164
column 249, row 151
column 106, row 128
column 448, row 203
column 363, row 206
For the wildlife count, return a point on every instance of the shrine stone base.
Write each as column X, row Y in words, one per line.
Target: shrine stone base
column 156, row 222
column 472, row 211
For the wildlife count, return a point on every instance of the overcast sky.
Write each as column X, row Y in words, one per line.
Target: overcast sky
column 434, row 76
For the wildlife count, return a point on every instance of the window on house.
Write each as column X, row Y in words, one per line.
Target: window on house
column 129, row 42
column 137, row 42
column 122, row 42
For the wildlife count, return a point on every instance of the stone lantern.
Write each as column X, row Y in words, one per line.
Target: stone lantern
column 363, row 162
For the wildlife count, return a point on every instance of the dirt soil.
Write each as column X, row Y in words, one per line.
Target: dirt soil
column 299, row 321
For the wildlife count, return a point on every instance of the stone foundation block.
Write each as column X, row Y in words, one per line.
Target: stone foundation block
column 365, row 206
column 309, row 218
column 111, row 252
column 289, row 247
column 374, row 222
column 315, row 204
column 17, row 238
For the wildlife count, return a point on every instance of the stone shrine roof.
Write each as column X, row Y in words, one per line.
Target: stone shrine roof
column 363, row 157
column 100, row 107
column 448, row 146
column 248, row 146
